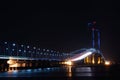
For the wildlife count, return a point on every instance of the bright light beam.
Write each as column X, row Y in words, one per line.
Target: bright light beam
column 82, row 56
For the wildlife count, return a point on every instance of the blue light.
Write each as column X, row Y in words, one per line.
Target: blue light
column 48, row 68
column 90, row 24
column 13, row 44
column 25, row 51
column 15, row 71
column 29, row 70
column 23, row 70
column 39, row 69
column 19, row 50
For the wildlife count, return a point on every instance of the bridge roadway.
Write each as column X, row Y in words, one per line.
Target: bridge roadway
column 28, row 62
column 71, row 56
column 10, row 50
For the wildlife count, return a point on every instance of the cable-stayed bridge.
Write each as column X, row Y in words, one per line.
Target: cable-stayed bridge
column 22, row 54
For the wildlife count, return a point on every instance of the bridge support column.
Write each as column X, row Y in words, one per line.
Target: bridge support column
column 94, row 59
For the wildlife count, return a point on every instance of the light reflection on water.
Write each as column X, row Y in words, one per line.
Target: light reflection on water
column 68, row 71
column 30, row 72
column 80, row 71
column 83, row 71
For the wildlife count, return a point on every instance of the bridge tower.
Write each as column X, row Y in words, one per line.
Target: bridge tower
column 96, row 58
column 95, row 35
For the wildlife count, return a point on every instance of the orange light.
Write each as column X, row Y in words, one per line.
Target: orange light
column 107, row 63
column 10, row 62
column 68, row 62
column 14, row 65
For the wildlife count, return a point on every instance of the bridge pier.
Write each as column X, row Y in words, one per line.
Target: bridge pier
column 94, row 59
column 3, row 65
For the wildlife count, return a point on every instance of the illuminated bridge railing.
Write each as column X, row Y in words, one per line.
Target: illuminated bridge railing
column 83, row 54
column 26, row 52
column 86, row 56
column 15, row 51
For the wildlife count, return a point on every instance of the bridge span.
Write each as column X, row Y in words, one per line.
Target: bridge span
column 14, row 55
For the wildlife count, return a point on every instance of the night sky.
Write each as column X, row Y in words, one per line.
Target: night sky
column 61, row 26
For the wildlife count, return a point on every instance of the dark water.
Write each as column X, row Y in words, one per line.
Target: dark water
column 64, row 73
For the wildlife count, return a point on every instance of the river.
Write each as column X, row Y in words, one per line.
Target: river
column 64, row 73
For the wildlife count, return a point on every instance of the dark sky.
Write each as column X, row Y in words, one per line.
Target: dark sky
column 61, row 26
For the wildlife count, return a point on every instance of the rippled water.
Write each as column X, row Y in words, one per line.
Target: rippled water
column 60, row 73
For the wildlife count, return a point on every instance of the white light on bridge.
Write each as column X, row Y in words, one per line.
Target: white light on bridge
column 82, row 56
column 13, row 44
